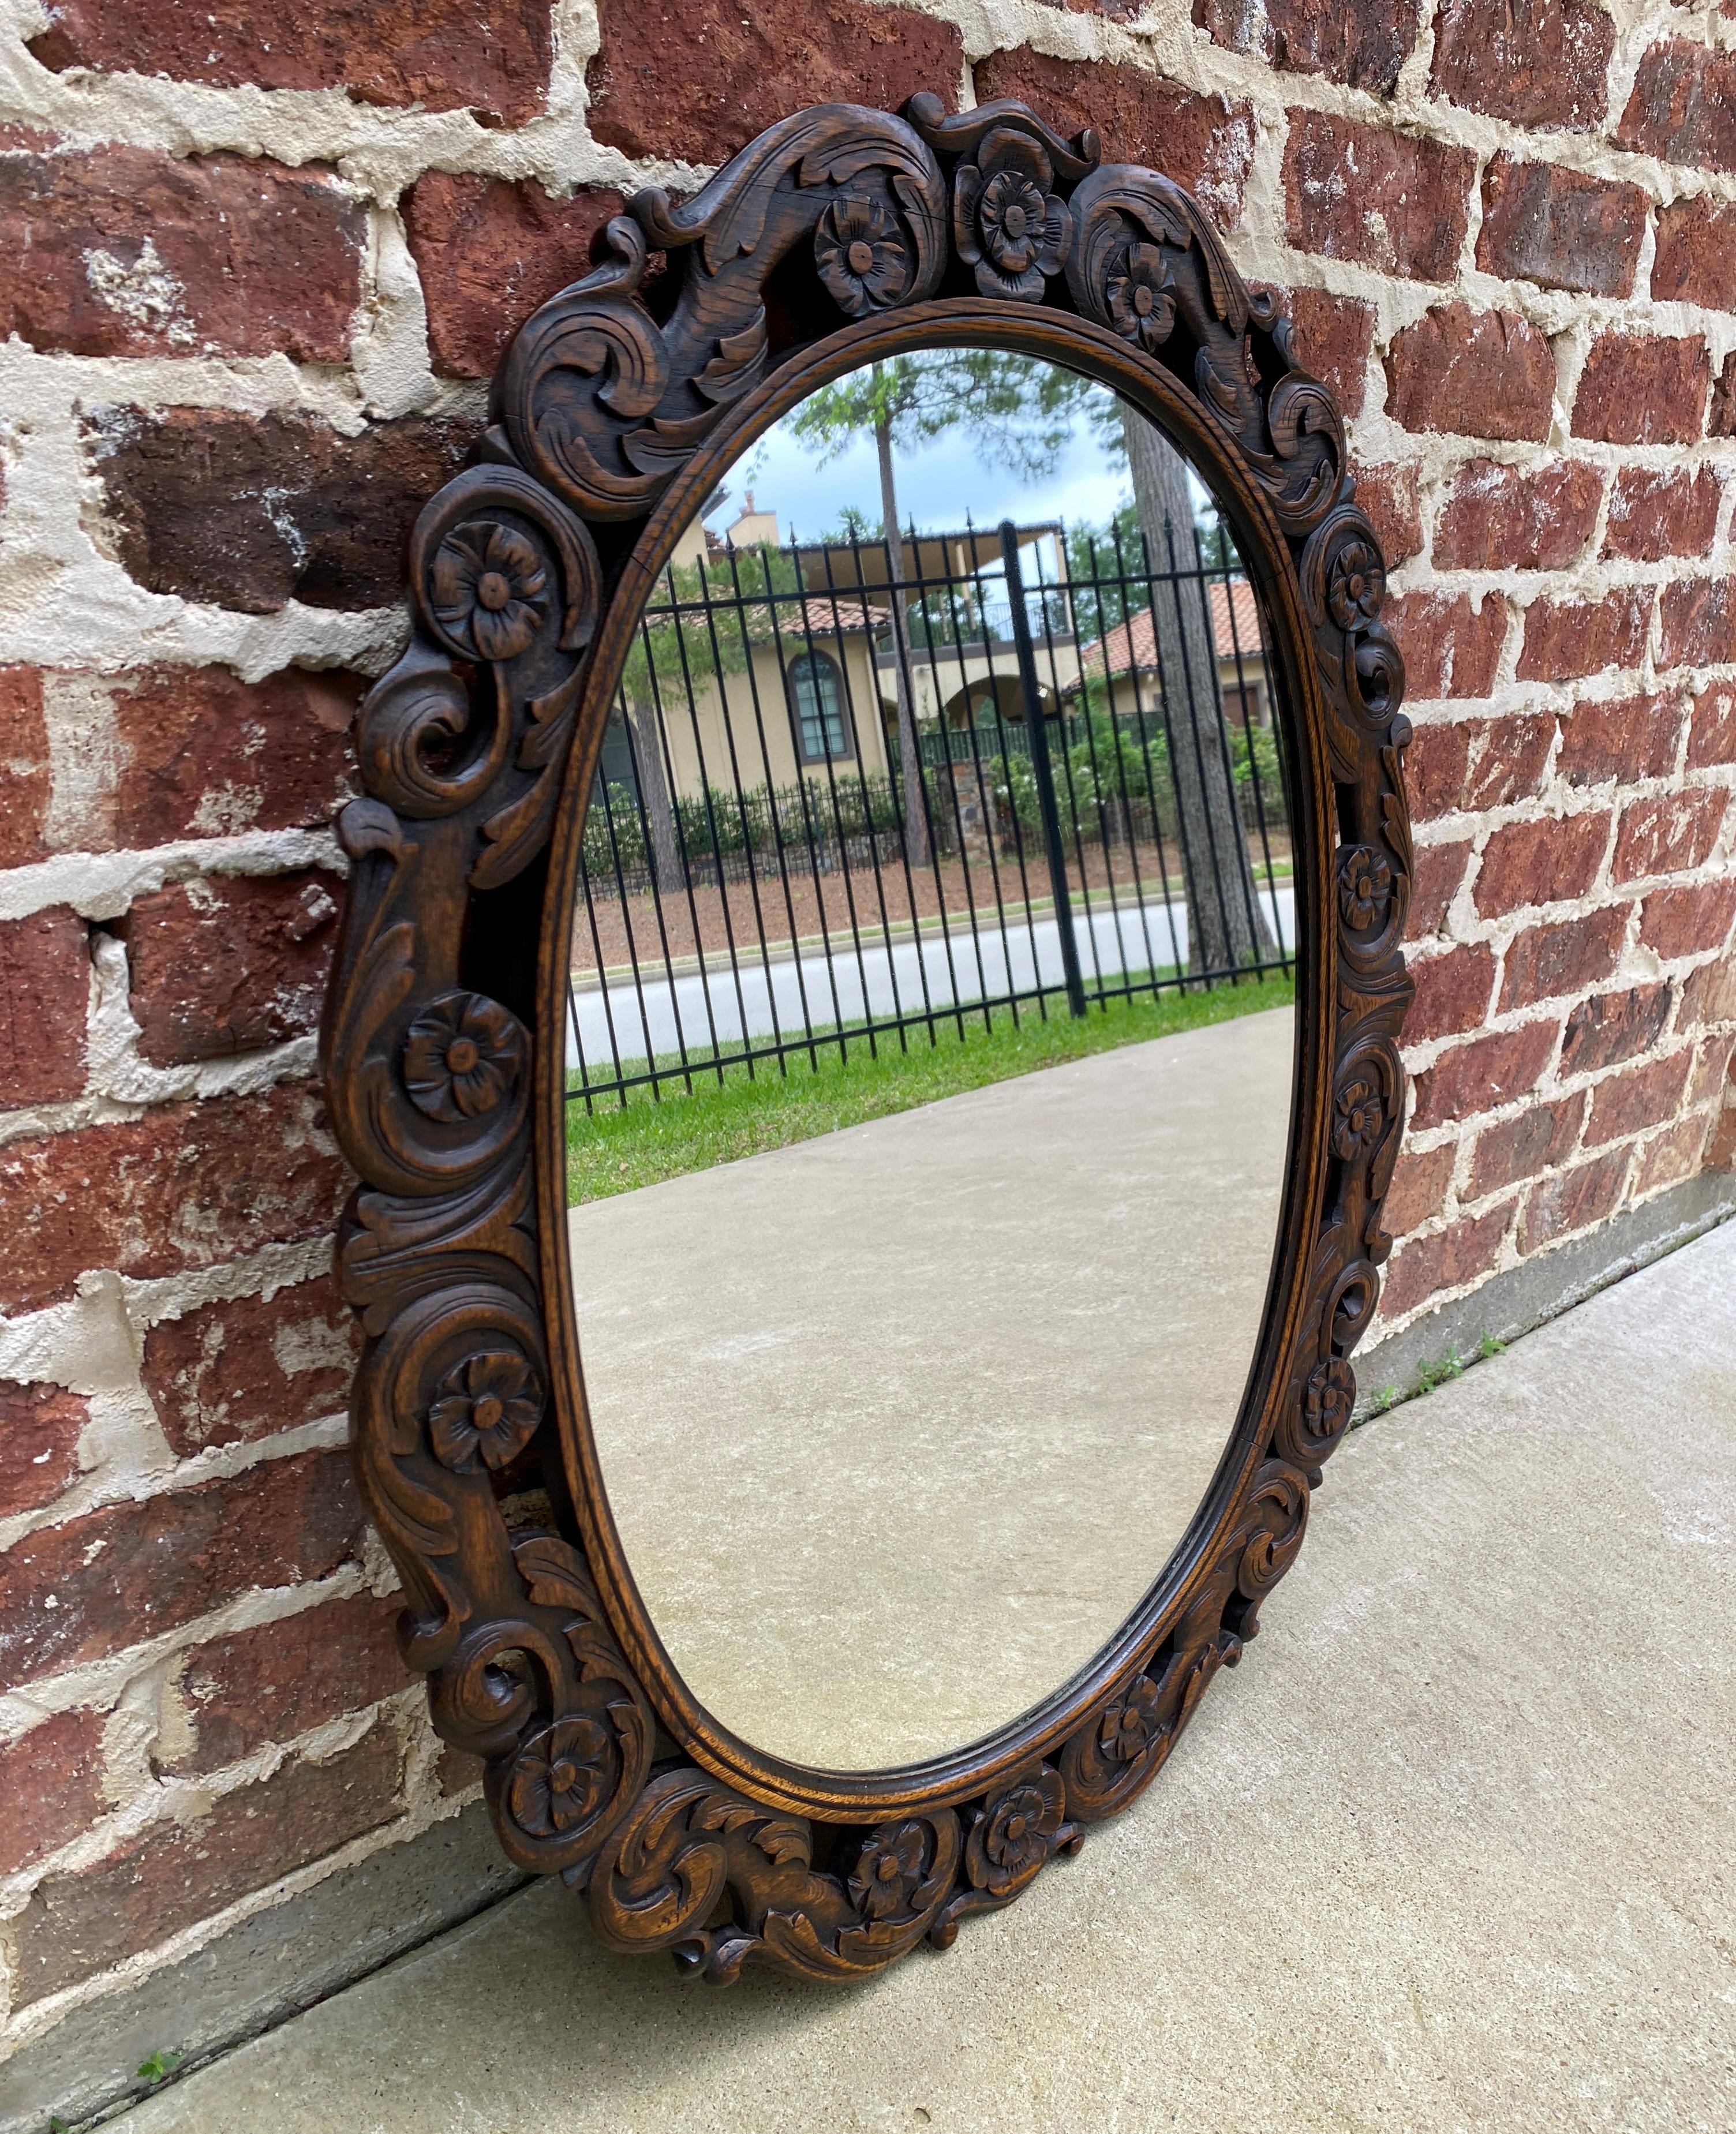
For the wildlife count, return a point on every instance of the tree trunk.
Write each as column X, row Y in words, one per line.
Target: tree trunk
column 667, row 870
column 909, row 750
column 1226, row 928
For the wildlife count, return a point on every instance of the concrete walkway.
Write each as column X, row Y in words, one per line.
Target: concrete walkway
column 1451, row 1849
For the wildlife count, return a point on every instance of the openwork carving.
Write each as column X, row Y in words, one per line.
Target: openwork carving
column 597, row 1766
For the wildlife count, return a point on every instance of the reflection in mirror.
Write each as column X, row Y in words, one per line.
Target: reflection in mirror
column 929, row 1053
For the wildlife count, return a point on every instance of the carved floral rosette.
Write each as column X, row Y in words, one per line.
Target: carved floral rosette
column 607, row 393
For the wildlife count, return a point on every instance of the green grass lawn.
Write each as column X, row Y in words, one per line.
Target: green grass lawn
column 616, row 1149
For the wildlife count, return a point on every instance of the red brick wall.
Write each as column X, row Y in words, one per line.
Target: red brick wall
column 259, row 262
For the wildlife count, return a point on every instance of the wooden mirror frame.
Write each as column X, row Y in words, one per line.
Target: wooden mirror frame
column 839, row 235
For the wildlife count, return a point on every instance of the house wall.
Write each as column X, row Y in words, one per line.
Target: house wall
column 257, row 277
column 759, row 738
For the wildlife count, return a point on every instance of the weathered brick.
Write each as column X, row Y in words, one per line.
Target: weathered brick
column 24, row 776
column 1363, row 44
column 39, row 1428
column 1476, row 763
column 170, row 1874
column 1695, row 259
column 1683, row 107
column 248, row 1366
column 1645, row 1096
column 1452, row 648
column 1699, row 623
column 1643, row 389
column 1685, row 921
column 283, row 1678
column 1204, row 142
column 1540, row 863
column 251, row 511
column 1668, row 832
column 488, row 252
column 1452, row 991
column 1653, row 513
column 51, row 1780
column 1480, row 374
column 224, row 965
column 1613, row 1026
column 1436, row 872
column 184, row 1187
column 1536, row 1139
column 456, row 1771
column 45, row 982
column 131, row 252
column 1543, row 962
column 1546, row 224
column 445, row 53
column 116, row 1576
column 1721, row 415
column 1499, row 518
column 1565, row 639
column 1535, row 62
column 205, row 753
column 1418, row 1188
column 1708, row 995
column 1389, row 495
column 1452, row 1258
column 1574, row 1200
column 1672, row 1156
column 1712, row 727
column 1392, row 201
column 1632, row 737
column 1334, row 335
column 700, row 81
column 1485, row 1074
column 1711, row 1070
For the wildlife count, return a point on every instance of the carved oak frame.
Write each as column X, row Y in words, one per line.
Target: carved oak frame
column 839, row 235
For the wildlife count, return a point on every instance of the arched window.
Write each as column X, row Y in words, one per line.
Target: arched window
column 816, row 701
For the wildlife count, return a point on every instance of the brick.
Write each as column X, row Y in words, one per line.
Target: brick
column 1204, row 142
column 1544, row 962
column 1540, row 1139
column 1453, row 993
column 1672, row 1155
column 1683, row 107
column 456, row 1771
column 1437, row 872
column 1549, row 225
column 51, row 1780
column 444, row 54
column 1484, row 1073
column 1565, row 639
column 1610, row 1027
column 1622, row 1104
column 1653, row 515
column 40, row 1429
column 1631, row 737
column 1499, row 519
column 283, row 1678
column 227, row 964
column 1448, row 1260
column 252, row 512
column 1643, row 389
column 1452, row 648
column 1711, row 1071
column 1668, row 833
column 1391, row 201
column 1687, row 921
column 115, row 1578
column 45, row 982
column 1695, row 262
column 1535, row 62
column 171, row 1875
column 205, row 753
column 1434, row 768
column 131, row 252
column 1389, row 495
column 1572, row 1201
column 1363, row 44
column 1720, row 1148
column 1708, row 996
column 1479, row 373
column 1418, row 1188
column 1699, row 623
column 24, row 775
column 185, row 1186
column 1333, row 336
column 246, row 1367
column 700, row 81
column 488, row 252
column 1721, row 415
column 1540, row 863
column 1476, row 763
column 1712, row 727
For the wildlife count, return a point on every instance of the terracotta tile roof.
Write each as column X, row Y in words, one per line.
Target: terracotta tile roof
column 1134, row 644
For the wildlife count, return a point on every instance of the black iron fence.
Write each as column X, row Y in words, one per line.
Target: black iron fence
column 848, row 799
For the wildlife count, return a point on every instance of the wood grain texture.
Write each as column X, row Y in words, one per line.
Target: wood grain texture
column 841, row 234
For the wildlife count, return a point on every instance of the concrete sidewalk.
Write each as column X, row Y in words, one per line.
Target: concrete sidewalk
column 1451, row 1850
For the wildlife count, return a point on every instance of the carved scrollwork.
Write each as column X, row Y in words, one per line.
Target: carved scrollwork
column 1013, row 1835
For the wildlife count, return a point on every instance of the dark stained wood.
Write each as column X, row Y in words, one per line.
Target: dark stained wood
column 839, row 235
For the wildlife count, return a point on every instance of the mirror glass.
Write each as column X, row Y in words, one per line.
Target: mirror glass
column 929, row 1053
